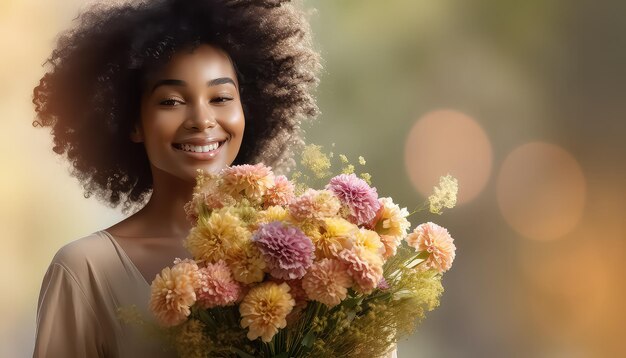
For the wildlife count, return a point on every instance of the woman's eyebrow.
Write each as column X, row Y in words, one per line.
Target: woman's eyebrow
column 173, row 82
column 221, row 81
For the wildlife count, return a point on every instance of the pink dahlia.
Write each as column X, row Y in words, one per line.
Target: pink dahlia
column 286, row 249
column 282, row 193
column 327, row 282
column 354, row 193
column 365, row 267
column 217, row 286
column 435, row 240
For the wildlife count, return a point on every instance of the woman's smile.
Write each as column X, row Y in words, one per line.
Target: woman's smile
column 200, row 151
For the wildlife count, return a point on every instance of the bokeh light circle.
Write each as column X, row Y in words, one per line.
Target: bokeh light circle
column 541, row 191
column 448, row 141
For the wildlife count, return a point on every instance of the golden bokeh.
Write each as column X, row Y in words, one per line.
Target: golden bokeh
column 541, row 191
column 448, row 141
column 568, row 289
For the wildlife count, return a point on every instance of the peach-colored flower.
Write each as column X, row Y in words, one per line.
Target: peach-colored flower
column 435, row 240
column 364, row 266
column 264, row 310
column 314, row 205
column 391, row 244
column 173, row 292
column 327, row 282
column 250, row 181
column 282, row 193
column 392, row 220
column 217, row 287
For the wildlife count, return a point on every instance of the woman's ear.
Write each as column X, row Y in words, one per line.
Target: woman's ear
column 136, row 135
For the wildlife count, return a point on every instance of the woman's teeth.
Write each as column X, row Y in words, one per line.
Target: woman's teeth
column 198, row 148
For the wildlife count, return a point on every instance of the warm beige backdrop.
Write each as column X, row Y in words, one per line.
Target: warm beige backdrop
column 521, row 100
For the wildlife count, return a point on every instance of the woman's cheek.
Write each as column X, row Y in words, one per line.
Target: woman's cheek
column 233, row 120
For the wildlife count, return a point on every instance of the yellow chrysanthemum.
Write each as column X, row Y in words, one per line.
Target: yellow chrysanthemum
column 335, row 235
column 264, row 309
column 445, row 194
column 272, row 213
column 246, row 262
column 214, row 236
column 369, row 240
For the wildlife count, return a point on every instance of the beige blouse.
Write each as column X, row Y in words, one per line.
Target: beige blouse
column 86, row 282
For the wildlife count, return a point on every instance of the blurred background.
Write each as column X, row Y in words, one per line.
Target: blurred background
column 522, row 101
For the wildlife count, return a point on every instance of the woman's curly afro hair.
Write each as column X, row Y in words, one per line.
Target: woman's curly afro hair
column 90, row 96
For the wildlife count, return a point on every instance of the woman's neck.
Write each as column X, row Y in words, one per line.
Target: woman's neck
column 164, row 214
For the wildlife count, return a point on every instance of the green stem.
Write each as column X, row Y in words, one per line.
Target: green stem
column 419, row 208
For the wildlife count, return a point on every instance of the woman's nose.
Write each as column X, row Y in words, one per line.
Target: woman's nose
column 201, row 118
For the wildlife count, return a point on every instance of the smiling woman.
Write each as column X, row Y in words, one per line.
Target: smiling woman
column 138, row 97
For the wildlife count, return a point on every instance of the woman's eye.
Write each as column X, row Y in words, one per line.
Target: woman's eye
column 221, row 99
column 171, row 102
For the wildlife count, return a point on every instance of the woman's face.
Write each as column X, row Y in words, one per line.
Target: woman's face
column 191, row 114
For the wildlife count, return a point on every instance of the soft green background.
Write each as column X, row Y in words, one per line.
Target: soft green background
column 523, row 71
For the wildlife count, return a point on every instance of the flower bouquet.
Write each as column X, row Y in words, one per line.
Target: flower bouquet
column 280, row 269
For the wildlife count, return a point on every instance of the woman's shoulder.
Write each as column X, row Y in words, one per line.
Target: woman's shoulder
column 82, row 253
